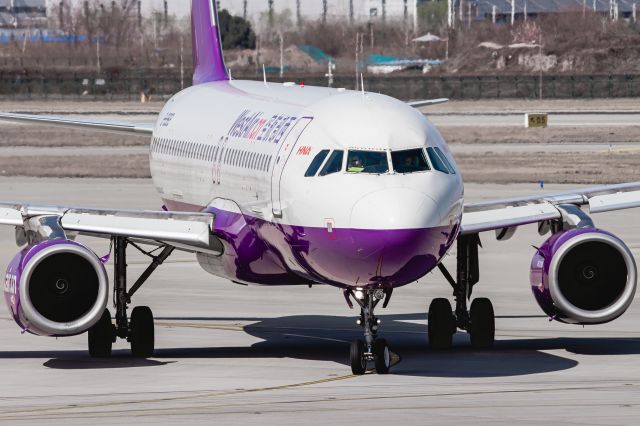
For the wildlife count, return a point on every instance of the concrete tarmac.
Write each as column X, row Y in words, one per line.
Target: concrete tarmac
column 599, row 119
column 230, row 354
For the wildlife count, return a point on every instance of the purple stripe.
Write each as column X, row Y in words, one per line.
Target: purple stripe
column 256, row 251
column 208, row 62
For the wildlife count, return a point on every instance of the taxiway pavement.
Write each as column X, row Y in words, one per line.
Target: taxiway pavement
column 230, row 354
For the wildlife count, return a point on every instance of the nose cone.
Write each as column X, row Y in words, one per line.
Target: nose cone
column 397, row 208
column 395, row 238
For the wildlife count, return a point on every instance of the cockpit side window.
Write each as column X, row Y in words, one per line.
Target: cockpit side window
column 409, row 161
column 446, row 160
column 367, row 162
column 316, row 163
column 438, row 163
column 333, row 164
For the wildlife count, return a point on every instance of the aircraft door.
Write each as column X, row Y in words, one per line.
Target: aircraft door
column 217, row 159
column 286, row 148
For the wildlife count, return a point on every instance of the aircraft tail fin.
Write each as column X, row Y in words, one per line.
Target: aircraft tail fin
column 208, row 62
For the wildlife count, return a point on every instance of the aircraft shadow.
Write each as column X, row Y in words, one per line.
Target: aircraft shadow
column 326, row 338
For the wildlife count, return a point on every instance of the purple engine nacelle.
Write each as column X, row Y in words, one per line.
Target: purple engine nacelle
column 583, row 276
column 56, row 288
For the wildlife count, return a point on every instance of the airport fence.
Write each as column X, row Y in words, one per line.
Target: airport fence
column 129, row 85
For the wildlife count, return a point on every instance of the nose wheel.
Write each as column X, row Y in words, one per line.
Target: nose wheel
column 372, row 349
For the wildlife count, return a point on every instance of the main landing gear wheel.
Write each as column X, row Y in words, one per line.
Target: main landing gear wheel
column 441, row 324
column 381, row 356
column 141, row 332
column 358, row 358
column 101, row 337
column 137, row 329
column 482, row 323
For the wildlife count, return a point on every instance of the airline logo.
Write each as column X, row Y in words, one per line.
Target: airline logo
column 255, row 126
column 10, row 284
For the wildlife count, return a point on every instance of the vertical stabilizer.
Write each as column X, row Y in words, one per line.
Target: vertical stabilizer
column 208, row 62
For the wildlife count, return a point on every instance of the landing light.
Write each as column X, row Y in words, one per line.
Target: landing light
column 359, row 294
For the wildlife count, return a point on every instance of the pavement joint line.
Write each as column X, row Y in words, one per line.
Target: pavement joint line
column 60, row 410
column 533, row 111
column 177, row 398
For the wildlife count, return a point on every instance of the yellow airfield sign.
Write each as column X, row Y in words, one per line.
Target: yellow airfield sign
column 536, row 120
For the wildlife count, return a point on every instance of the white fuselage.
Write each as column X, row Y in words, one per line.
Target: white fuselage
column 241, row 150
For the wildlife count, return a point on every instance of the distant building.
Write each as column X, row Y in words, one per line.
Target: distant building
column 23, row 13
column 359, row 10
column 485, row 9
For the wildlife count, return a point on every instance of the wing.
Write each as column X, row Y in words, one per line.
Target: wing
column 427, row 102
column 117, row 127
column 187, row 231
column 513, row 212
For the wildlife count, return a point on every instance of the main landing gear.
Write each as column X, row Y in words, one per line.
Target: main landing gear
column 479, row 320
column 138, row 329
column 372, row 348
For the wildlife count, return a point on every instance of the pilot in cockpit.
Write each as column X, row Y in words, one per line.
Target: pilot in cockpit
column 356, row 165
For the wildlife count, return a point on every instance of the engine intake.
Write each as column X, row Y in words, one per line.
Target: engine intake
column 56, row 288
column 583, row 276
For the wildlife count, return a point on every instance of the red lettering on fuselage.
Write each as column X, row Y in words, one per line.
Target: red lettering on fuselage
column 304, row 150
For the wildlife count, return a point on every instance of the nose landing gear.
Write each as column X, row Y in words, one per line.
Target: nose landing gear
column 372, row 349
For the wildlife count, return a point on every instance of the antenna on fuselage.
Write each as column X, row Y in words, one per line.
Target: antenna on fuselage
column 264, row 75
column 229, row 72
column 362, row 84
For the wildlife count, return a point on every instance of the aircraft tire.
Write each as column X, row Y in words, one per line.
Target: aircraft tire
column 141, row 332
column 482, row 326
column 100, row 337
column 357, row 358
column 382, row 356
column 441, row 324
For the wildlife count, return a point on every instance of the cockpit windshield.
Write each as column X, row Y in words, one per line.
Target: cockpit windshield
column 409, row 161
column 367, row 162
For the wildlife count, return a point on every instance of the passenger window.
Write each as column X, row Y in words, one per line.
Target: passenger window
column 446, row 160
column 437, row 162
column 367, row 162
column 333, row 164
column 409, row 161
column 316, row 163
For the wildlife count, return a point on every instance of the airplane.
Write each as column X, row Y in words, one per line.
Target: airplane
column 283, row 184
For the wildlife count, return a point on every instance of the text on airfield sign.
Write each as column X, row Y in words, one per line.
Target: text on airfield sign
column 535, row 120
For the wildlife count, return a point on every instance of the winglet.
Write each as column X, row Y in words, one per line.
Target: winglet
column 208, row 62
